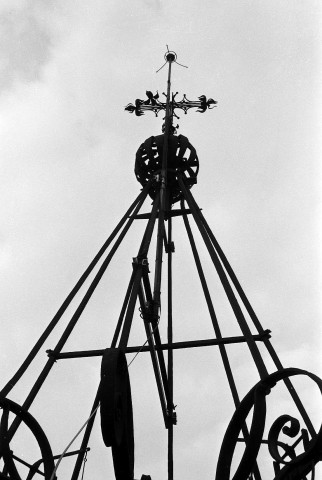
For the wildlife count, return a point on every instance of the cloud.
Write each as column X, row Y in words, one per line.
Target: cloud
column 67, row 157
column 24, row 46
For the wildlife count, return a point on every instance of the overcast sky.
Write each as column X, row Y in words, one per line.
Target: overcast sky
column 68, row 68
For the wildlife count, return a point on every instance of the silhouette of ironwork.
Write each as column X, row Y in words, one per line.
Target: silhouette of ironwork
column 152, row 104
column 167, row 167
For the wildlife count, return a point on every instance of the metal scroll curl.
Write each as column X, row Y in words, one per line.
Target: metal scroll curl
column 299, row 465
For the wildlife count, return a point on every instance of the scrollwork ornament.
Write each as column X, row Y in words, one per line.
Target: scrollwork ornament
column 153, row 104
column 278, row 427
column 299, row 465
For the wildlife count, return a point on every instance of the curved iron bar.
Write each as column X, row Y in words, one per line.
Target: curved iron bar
column 34, row 427
column 9, row 464
column 295, row 469
column 279, row 426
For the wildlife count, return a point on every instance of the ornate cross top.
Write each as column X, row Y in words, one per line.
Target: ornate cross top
column 153, row 104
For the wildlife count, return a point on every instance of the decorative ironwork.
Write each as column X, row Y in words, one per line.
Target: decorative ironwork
column 299, row 465
column 182, row 159
column 167, row 167
column 153, row 104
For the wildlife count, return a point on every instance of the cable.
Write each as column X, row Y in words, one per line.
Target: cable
column 85, row 460
column 93, row 413
column 71, row 442
column 143, row 344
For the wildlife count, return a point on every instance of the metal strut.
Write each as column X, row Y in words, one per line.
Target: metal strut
column 167, row 166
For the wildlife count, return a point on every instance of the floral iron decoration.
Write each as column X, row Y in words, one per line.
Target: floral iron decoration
column 153, row 104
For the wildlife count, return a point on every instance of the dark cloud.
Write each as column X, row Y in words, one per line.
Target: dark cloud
column 24, row 47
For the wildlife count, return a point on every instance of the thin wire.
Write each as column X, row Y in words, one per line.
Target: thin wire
column 85, row 460
column 161, row 67
column 71, row 442
column 144, row 344
column 175, row 61
column 84, row 425
column 185, row 66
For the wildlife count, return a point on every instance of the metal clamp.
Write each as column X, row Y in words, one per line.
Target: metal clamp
column 169, row 247
column 140, row 261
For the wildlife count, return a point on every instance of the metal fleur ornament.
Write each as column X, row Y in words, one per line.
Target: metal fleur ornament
column 201, row 105
column 153, row 104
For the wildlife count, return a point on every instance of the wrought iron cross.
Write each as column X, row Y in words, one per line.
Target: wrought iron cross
column 153, row 104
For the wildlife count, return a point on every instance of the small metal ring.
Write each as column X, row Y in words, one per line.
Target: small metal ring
column 170, row 56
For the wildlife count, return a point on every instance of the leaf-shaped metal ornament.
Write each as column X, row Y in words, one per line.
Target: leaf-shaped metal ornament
column 130, row 107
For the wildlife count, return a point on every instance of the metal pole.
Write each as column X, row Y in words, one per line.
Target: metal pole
column 163, row 189
column 170, row 355
column 162, row 346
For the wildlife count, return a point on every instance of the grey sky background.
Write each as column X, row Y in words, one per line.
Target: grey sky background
column 67, row 147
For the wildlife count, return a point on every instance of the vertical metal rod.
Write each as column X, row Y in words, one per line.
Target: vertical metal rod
column 7, row 388
column 168, row 123
column 170, row 355
column 163, row 190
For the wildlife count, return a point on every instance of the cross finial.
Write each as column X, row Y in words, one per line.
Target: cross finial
column 153, row 103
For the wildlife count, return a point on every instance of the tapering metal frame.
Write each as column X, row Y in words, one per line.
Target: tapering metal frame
column 141, row 291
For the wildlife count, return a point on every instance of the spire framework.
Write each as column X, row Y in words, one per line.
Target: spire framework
column 167, row 167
